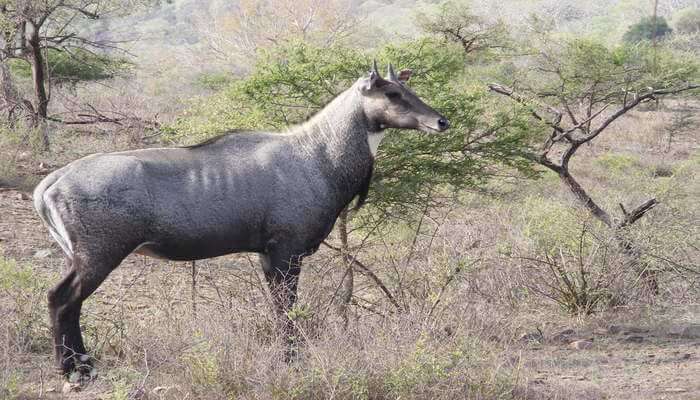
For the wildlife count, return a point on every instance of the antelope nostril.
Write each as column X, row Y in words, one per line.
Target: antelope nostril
column 443, row 124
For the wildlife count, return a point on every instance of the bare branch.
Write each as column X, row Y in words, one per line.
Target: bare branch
column 637, row 213
column 366, row 271
column 622, row 111
column 504, row 90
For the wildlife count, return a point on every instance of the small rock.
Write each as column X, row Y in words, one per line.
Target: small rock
column 25, row 155
column 42, row 253
column 22, row 196
column 564, row 336
column 531, row 337
column 614, row 329
column 69, row 387
column 600, row 331
column 634, row 339
column 691, row 331
column 160, row 389
column 581, row 345
column 675, row 330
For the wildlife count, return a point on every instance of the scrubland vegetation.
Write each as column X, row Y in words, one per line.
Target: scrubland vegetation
column 546, row 246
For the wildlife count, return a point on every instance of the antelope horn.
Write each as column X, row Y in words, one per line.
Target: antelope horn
column 392, row 74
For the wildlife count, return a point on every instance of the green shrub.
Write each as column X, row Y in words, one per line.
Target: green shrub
column 9, row 384
column 23, row 293
column 618, row 163
column 202, row 365
column 688, row 21
column 549, row 223
column 420, row 370
column 586, row 271
column 78, row 65
column 647, row 29
column 214, row 80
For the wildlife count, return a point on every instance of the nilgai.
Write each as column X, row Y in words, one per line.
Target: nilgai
column 276, row 194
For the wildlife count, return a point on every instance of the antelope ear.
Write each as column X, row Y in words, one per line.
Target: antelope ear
column 405, row 75
column 372, row 80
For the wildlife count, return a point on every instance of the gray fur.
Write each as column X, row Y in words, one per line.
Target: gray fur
column 277, row 194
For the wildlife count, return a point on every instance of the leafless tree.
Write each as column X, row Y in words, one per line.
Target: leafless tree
column 32, row 27
column 252, row 25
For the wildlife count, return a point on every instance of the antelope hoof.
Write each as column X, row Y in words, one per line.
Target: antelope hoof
column 79, row 370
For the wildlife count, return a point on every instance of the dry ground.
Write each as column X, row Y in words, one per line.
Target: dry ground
column 156, row 338
column 661, row 366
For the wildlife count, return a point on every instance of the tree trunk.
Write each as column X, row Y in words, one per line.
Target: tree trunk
column 36, row 59
column 584, row 198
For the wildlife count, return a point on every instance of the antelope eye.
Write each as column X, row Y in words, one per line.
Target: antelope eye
column 393, row 95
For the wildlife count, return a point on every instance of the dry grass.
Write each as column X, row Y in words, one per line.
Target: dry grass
column 465, row 293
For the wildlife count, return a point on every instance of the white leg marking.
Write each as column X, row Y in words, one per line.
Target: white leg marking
column 57, row 228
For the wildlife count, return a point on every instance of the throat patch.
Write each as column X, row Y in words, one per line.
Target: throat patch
column 374, row 139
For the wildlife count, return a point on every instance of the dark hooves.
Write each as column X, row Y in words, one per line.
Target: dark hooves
column 79, row 369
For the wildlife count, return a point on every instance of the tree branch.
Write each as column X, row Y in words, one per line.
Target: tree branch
column 637, row 213
column 366, row 271
column 504, row 90
column 622, row 111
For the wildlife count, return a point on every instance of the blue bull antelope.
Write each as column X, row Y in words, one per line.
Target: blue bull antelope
column 276, row 194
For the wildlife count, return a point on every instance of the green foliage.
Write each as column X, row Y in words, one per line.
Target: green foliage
column 573, row 260
column 77, row 66
column 426, row 368
column 429, row 370
column 214, row 81
column 647, row 29
column 300, row 312
column 688, row 21
column 10, row 385
column 120, row 390
column 618, row 163
column 202, row 365
column 423, row 368
column 23, row 291
column 292, row 82
column 548, row 224
column 586, row 71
